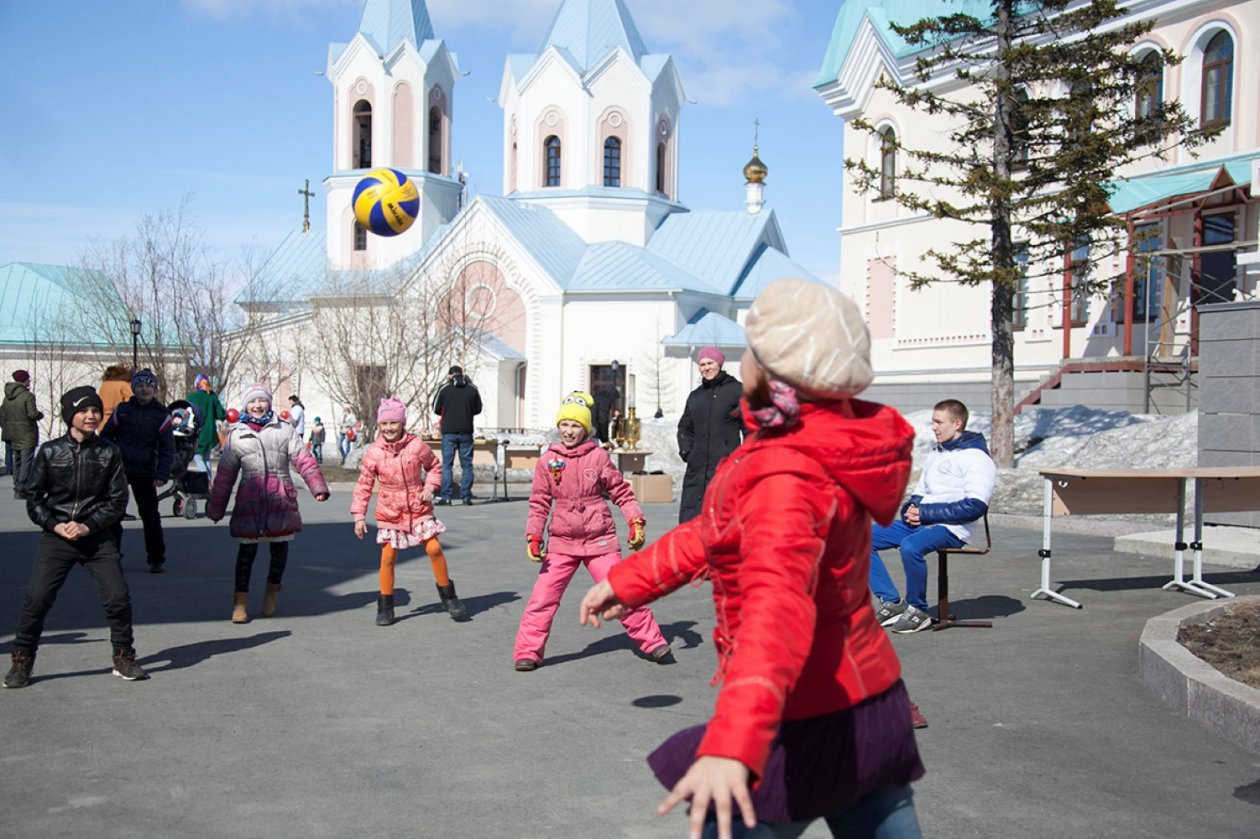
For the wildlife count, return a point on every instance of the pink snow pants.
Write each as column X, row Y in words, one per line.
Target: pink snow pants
column 557, row 570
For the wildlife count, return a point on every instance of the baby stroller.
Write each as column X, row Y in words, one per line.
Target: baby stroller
column 188, row 482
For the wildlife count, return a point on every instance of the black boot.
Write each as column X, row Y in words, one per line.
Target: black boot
column 20, row 673
column 453, row 607
column 384, row 609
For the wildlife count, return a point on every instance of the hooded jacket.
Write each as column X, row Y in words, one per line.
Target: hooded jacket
column 404, row 468
column 144, row 435
column 709, row 430
column 266, row 501
column 581, row 524
column 956, row 484
column 457, row 403
column 18, row 417
column 73, row 481
column 785, row 537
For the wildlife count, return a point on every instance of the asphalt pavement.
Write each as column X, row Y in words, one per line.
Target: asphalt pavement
column 318, row 723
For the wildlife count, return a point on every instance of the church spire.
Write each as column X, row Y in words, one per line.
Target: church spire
column 590, row 29
column 386, row 22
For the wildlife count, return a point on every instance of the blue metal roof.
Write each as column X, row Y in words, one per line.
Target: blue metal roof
column 45, row 304
column 617, row 266
column 769, row 265
column 708, row 329
column 551, row 242
column 297, row 269
column 715, row 246
column 386, row 22
column 590, row 29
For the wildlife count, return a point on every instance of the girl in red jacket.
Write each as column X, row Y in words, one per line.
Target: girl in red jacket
column 408, row 473
column 812, row 720
column 569, row 483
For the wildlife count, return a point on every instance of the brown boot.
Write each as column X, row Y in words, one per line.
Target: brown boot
column 240, row 605
column 269, row 599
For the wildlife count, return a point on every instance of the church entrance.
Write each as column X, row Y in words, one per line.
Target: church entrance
column 608, row 386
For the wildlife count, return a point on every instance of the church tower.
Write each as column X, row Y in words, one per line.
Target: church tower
column 393, row 87
column 591, row 125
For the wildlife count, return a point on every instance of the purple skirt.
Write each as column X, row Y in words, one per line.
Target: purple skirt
column 821, row 765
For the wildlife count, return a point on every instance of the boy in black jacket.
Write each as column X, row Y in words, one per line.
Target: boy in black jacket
column 77, row 494
column 141, row 427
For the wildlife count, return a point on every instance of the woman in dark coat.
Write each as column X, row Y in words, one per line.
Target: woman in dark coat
column 710, row 428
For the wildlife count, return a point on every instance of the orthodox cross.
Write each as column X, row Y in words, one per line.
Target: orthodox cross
column 306, row 194
column 756, row 131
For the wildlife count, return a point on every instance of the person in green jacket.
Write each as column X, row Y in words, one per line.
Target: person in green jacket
column 206, row 401
column 18, row 416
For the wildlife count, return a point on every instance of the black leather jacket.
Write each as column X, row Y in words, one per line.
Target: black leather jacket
column 72, row 481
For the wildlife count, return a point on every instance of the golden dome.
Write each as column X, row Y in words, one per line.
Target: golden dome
column 754, row 170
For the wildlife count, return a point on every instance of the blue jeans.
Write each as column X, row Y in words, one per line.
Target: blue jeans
column 915, row 544
column 343, row 446
column 887, row 813
column 464, row 442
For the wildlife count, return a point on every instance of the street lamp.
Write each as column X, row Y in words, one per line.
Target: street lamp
column 135, row 343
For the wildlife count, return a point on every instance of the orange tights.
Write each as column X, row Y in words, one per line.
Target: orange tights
column 437, row 559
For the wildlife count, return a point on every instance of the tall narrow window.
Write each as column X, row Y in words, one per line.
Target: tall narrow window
column 551, row 161
column 1148, row 275
column 612, row 162
column 1019, row 132
column 1078, row 265
column 1217, row 268
column 1149, row 97
column 660, row 168
column 362, row 140
column 1019, row 306
column 1218, row 81
column 435, row 140
column 360, row 236
column 887, row 163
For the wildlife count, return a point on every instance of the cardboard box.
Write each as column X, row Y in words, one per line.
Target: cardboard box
column 652, row 489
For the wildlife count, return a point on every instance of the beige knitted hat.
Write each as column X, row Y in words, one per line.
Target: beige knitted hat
column 812, row 337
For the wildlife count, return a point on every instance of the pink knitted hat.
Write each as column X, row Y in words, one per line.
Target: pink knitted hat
column 711, row 353
column 391, row 410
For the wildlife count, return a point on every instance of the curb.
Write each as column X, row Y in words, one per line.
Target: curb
column 1193, row 687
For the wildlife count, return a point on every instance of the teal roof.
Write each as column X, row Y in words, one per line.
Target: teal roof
column 618, row 266
column 769, row 265
column 715, row 246
column 386, row 22
column 881, row 12
column 590, row 29
column 552, row 243
column 45, row 304
column 708, row 329
column 1143, row 190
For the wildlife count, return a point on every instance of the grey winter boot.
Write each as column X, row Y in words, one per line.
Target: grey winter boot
column 384, row 609
column 19, row 674
column 453, row 607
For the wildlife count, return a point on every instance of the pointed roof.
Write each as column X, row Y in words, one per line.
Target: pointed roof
column 587, row 30
column 386, row 22
column 44, row 304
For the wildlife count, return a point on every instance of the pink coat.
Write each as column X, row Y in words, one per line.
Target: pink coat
column 404, row 469
column 266, row 501
column 581, row 524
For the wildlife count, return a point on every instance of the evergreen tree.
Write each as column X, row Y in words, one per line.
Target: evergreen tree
column 1040, row 97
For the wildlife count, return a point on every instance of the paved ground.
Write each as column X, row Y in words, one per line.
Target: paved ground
column 318, row 723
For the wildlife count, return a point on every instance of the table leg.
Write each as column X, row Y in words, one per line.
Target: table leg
column 1044, row 553
column 1179, row 580
column 1196, row 546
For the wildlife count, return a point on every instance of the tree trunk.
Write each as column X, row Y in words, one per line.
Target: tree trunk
column 1002, row 436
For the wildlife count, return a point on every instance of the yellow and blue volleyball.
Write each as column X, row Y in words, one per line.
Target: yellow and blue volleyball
column 386, row 202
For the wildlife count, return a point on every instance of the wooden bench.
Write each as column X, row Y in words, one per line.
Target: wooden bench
column 944, row 619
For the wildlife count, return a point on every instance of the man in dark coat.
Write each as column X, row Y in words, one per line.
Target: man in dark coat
column 710, row 428
column 18, row 417
column 457, row 403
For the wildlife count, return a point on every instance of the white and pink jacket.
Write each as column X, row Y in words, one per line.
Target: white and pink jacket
column 404, row 469
column 570, row 485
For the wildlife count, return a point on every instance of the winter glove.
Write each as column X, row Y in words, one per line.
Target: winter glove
column 534, row 549
column 638, row 534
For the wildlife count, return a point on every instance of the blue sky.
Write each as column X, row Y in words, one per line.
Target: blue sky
column 115, row 109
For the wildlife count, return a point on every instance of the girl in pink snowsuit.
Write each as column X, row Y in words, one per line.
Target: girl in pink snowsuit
column 569, row 483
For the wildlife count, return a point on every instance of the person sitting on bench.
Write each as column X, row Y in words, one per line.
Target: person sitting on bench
column 954, row 489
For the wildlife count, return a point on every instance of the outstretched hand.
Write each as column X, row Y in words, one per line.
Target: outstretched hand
column 717, row 781
column 360, row 528
column 600, row 602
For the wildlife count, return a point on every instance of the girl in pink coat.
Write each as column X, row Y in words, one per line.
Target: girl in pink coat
column 408, row 473
column 569, row 484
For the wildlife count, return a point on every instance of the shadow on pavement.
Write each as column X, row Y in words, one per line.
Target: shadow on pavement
column 187, row 655
column 1220, row 578
column 475, row 605
column 988, row 606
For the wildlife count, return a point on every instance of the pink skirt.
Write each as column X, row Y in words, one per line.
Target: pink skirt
column 402, row 539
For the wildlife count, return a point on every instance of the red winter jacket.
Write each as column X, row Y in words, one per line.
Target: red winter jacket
column 785, row 537
column 403, row 468
column 581, row 524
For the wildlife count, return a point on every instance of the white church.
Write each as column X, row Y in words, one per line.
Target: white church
column 588, row 272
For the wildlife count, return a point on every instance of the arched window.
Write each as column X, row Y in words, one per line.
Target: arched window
column 360, row 236
column 887, row 163
column 612, row 161
column 661, row 159
column 1218, row 81
column 1149, row 96
column 362, row 140
column 1019, row 132
column 435, row 140
column 551, row 161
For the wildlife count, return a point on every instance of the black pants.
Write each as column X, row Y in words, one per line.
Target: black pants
column 245, row 563
column 145, row 493
column 54, row 557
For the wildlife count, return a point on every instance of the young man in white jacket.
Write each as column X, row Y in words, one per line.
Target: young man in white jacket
column 953, row 490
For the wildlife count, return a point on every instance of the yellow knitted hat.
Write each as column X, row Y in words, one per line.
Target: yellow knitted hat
column 577, row 407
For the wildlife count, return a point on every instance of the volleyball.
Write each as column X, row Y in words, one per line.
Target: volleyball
column 386, row 202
